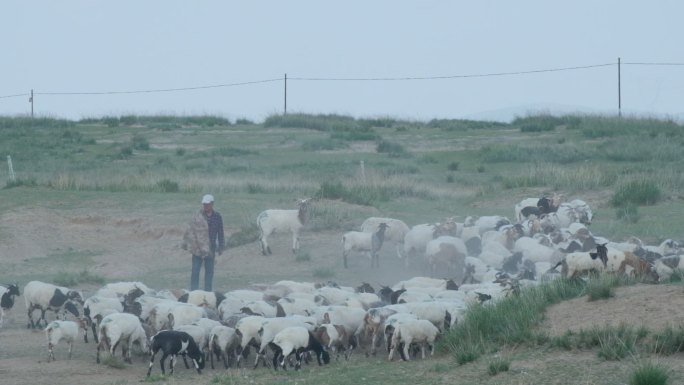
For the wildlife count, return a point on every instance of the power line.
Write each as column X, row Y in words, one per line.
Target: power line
column 456, row 76
column 13, row 96
column 158, row 90
column 653, row 64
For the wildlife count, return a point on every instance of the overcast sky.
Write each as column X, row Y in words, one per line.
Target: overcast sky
column 94, row 46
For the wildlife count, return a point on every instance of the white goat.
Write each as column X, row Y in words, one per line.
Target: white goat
column 359, row 241
column 409, row 331
column 278, row 220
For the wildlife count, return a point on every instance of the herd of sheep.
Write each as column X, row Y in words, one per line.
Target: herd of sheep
column 485, row 259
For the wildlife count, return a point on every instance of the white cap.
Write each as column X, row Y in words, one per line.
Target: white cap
column 208, row 199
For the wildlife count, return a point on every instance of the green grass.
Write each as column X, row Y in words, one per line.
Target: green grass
column 649, row 373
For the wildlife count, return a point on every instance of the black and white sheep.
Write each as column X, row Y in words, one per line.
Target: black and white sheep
column 46, row 296
column 578, row 263
column 272, row 326
column 278, row 220
column 7, row 294
column 95, row 306
column 172, row 343
column 297, row 340
column 359, row 241
column 66, row 331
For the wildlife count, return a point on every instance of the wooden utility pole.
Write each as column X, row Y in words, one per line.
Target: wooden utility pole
column 619, row 92
column 31, row 101
column 285, row 109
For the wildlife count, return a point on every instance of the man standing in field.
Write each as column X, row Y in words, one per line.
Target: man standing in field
column 204, row 239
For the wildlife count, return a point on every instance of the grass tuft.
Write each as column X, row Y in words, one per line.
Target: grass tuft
column 649, row 374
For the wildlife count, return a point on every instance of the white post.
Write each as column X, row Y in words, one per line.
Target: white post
column 11, row 169
column 363, row 172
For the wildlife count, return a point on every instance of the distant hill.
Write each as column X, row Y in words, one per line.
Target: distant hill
column 508, row 114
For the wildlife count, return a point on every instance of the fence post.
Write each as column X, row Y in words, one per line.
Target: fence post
column 31, row 101
column 285, row 110
column 12, row 177
column 363, row 171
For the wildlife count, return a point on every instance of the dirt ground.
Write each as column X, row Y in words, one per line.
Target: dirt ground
column 145, row 248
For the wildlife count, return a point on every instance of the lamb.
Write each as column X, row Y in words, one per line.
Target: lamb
column 173, row 343
column 395, row 233
column 407, row 332
column 46, row 296
column 7, row 294
column 577, row 263
column 66, row 331
column 364, row 242
column 447, row 252
column 277, row 220
column 297, row 340
column 121, row 328
column 223, row 342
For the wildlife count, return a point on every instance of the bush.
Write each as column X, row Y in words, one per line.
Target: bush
column 323, row 272
column 638, row 192
column 393, row 149
column 628, row 213
column 247, row 234
column 649, row 374
column 453, row 166
column 73, row 279
column 167, row 186
column 497, row 366
column 139, row 142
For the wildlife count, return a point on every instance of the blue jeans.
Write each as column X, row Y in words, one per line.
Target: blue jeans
column 208, row 272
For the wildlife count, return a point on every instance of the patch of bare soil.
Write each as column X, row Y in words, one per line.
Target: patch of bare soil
column 652, row 306
column 145, row 246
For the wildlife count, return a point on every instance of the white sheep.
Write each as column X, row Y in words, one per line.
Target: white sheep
column 247, row 330
column 124, row 329
column 261, row 308
column 66, row 331
column 395, row 233
column 359, row 241
column 95, row 306
column 123, row 288
column 277, row 220
column 272, row 326
column 418, row 236
column 294, row 306
column 223, row 342
column 374, row 320
column 409, row 331
column 666, row 266
column 448, row 253
column 478, row 271
column 210, row 299
column 297, row 340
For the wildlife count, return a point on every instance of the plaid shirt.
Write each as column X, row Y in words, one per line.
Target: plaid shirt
column 204, row 236
column 216, row 240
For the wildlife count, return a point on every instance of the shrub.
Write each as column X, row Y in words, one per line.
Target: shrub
column 323, row 272
column 450, row 178
column 167, row 186
column 638, row 192
column 649, row 374
column 180, row 151
column 302, row 257
column 391, row 148
column 139, row 142
column 628, row 213
column 453, row 166
column 244, row 122
column 497, row 366
column 246, row 234
column 73, row 279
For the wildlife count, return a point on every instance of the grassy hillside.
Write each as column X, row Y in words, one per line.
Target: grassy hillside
column 416, row 171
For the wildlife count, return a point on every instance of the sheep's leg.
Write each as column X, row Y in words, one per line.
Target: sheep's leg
column 172, row 363
column 149, row 368
column 51, row 353
column 295, row 243
column 344, row 258
column 406, row 356
column 93, row 327
column 30, row 324
column 71, row 347
column 275, row 360
column 194, row 362
column 185, row 361
column 264, row 245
